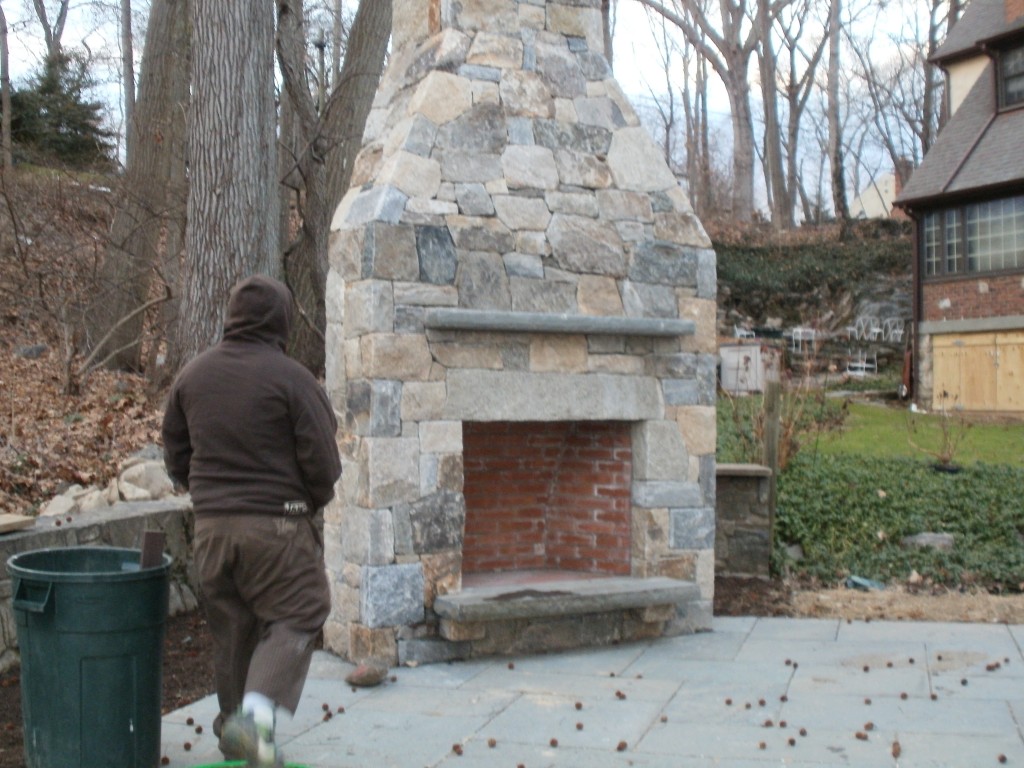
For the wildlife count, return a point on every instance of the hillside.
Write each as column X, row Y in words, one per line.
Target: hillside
column 60, row 426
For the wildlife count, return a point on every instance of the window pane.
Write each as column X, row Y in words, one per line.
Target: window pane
column 995, row 235
column 954, row 245
column 1012, row 73
column 932, row 241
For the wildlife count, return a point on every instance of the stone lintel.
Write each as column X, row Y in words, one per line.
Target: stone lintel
column 743, row 470
column 541, row 322
column 562, row 598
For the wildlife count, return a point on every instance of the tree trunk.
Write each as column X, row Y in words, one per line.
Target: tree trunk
column 5, row 96
column 151, row 203
column 835, row 141
column 775, row 175
column 52, row 34
column 232, row 200
column 331, row 141
column 128, row 71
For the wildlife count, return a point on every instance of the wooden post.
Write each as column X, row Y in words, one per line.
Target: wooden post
column 772, row 431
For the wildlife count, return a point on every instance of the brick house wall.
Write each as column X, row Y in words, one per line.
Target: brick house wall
column 974, row 298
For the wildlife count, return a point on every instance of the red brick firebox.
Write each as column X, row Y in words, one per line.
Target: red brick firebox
column 551, row 496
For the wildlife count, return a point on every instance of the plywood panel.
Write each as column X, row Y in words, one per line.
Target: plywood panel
column 964, row 369
column 1010, row 373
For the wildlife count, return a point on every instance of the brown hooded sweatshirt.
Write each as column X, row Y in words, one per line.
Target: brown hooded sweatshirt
column 247, row 429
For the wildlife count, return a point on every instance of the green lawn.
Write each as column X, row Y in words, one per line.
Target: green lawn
column 852, row 493
column 885, row 431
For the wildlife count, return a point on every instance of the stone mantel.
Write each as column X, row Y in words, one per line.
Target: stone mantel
column 540, row 322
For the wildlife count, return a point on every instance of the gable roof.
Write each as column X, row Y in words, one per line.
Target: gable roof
column 983, row 20
column 979, row 148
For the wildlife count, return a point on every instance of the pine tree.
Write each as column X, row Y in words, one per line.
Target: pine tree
column 54, row 123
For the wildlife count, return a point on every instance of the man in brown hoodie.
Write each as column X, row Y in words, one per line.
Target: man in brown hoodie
column 251, row 434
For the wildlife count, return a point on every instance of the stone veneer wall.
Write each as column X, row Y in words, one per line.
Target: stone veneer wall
column 743, row 520
column 514, row 247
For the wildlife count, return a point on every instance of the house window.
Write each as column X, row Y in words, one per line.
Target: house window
column 980, row 237
column 1011, row 80
column 995, row 235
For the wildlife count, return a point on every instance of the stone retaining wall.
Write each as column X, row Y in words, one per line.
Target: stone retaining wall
column 120, row 525
column 743, row 521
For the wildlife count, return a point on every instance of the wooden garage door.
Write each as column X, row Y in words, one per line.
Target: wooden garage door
column 979, row 371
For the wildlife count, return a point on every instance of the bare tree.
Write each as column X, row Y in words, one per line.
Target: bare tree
column 149, row 219
column 231, row 228
column 779, row 201
column 727, row 43
column 52, row 32
column 329, row 141
column 799, row 83
column 127, row 69
column 5, row 95
column 834, row 119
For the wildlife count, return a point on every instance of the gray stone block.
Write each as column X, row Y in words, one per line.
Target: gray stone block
column 646, row 300
column 479, row 72
column 587, row 139
column 413, row 652
column 707, row 274
column 392, row 595
column 436, row 521
column 367, row 536
column 664, row 263
column 663, row 493
column 692, row 528
column 384, row 204
column 435, row 250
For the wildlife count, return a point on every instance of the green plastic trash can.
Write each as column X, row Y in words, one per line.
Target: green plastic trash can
column 90, row 625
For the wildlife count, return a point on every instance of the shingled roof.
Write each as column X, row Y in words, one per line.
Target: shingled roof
column 979, row 148
column 983, row 20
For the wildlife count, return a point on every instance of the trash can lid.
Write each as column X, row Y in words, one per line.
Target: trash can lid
column 84, row 564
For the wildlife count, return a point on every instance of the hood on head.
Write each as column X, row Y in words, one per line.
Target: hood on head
column 260, row 308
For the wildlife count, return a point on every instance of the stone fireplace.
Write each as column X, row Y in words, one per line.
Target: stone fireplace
column 521, row 346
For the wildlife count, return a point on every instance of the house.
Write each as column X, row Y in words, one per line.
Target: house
column 875, row 200
column 967, row 202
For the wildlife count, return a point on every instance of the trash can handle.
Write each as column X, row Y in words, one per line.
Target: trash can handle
column 26, row 597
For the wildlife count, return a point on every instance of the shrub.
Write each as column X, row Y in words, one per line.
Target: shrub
column 849, row 515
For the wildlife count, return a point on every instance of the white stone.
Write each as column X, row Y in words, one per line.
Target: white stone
column 637, row 163
column 441, row 97
column 414, row 175
column 59, row 506
column 659, row 452
column 519, row 213
column 525, row 94
column 422, row 400
column 441, row 437
column 491, row 50
column 150, row 477
column 369, row 308
column 577, row 22
column 529, row 167
column 578, row 203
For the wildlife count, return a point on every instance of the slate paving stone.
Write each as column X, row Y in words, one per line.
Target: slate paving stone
column 673, row 712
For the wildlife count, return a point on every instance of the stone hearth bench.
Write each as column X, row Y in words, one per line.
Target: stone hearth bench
column 561, row 614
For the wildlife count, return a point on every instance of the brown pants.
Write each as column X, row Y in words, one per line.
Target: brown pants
column 266, row 597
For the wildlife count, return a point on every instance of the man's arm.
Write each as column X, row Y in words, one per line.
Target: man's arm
column 177, row 442
column 316, row 445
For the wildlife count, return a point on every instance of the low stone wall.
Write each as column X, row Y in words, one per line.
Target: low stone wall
column 743, row 522
column 120, row 525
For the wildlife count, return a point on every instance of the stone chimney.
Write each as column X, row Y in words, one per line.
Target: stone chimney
column 521, row 343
